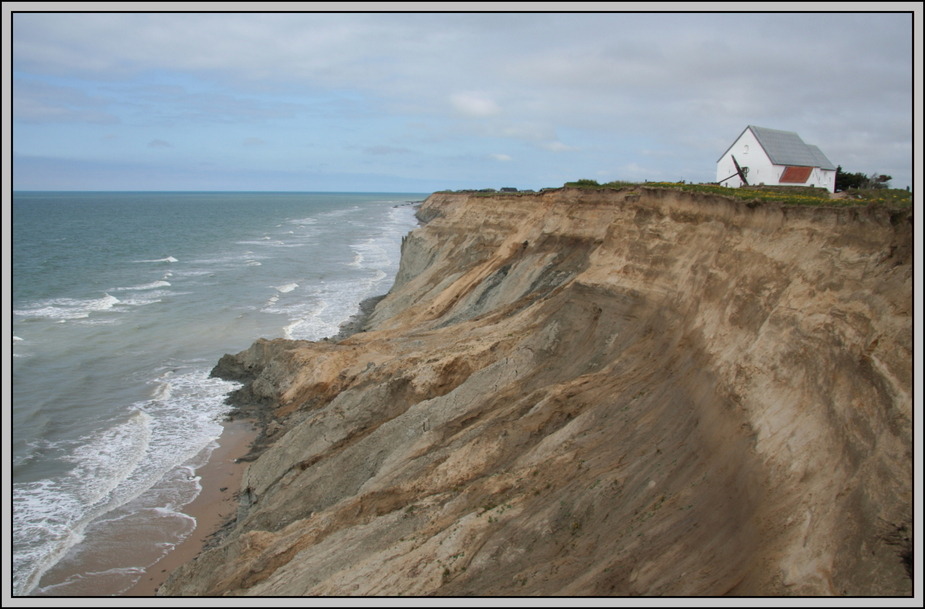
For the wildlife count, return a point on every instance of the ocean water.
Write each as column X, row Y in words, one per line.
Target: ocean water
column 121, row 305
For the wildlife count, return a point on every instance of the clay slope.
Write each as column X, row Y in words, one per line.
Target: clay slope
column 638, row 392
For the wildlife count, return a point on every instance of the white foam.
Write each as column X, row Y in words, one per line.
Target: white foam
column 332, row 303
column 226, row 262
column 90, row 321
column 304, row 221
column 50, row 516
column 104, row 462
column 118, row 465
column 286, row 288
column 142, row 294
column 307, row 328
column 154, row 284
column 163, row 390
column 167, row 259
column 140, row 301
column 144, row 286
column 63, row 309
column 106, row 302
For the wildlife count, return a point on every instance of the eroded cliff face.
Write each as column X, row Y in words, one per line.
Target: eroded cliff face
column 638, row 392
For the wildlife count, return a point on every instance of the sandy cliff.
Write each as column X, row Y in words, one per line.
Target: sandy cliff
column 637, row 392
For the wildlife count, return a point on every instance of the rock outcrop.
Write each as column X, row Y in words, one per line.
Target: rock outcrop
column 635, row 392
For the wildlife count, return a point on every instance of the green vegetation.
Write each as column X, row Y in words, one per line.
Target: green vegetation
column 845, row 180
column 798, row 196
column 789, row 195
column 891, row 197
column 861, row 190
column 593, row 184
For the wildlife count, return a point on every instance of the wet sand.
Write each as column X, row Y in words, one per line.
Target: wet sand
column 221, row 481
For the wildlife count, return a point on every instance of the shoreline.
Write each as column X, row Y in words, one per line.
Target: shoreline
column 242, row 439
column 215, row 505
column 357, row 322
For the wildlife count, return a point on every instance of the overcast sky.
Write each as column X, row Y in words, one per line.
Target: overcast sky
column 417, row 102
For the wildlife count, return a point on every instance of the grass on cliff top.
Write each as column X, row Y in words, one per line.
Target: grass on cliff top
column 789, row 195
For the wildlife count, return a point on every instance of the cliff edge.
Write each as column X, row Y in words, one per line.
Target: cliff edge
column 633, row 392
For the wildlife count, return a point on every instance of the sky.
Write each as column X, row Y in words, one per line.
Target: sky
column 425, row 101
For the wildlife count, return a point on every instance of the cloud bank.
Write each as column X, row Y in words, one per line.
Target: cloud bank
column 557, row 96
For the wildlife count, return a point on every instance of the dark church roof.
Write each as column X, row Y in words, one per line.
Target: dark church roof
column 787, row 148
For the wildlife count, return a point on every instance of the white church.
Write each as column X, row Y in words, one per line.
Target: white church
column 773, row 157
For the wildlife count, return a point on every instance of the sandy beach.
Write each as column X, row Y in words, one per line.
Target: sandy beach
column 220, row 479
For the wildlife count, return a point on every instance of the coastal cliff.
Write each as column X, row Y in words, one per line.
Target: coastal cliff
column 593, row 392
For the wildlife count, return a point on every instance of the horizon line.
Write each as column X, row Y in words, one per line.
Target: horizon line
column 246, row 190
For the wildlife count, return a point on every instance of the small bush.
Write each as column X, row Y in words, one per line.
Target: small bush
column 583, row 184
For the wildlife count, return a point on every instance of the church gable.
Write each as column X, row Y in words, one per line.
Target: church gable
column 774, row 157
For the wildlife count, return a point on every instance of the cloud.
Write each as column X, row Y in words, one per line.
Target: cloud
column 537, row 134
column 557, row 146
column 159, row 144
column 254, row 142
column 474, row 105
column 500, row 157
column 664, row 89
column 39, row 102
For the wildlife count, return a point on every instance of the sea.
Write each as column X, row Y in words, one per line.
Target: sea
column 122, row 303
